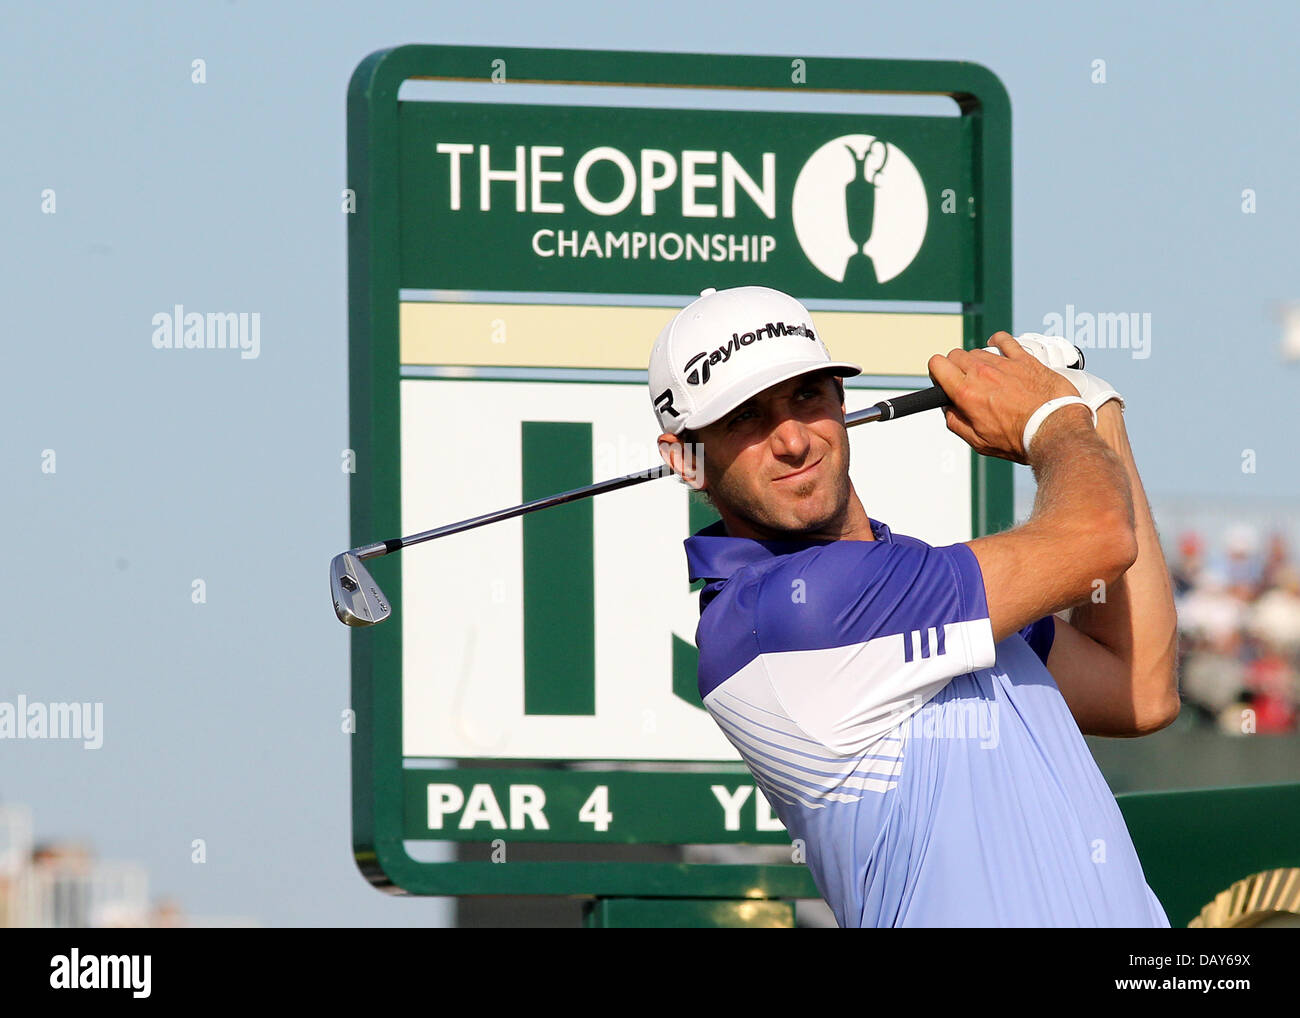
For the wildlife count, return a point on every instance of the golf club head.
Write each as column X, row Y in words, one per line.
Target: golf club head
column 358, row 601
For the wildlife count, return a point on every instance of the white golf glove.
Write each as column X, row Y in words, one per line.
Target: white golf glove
column 1058, row 353
column 1054, row 351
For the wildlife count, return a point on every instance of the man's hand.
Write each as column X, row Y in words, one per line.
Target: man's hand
column 1094, row 391
column 1059, row 354
column 994, row 394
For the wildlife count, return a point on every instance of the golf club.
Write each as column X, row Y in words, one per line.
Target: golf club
column 358, row 601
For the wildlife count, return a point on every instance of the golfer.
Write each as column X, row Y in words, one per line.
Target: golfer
column 915, row 714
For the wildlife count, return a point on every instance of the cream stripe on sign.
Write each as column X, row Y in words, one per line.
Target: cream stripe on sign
column 577, row 336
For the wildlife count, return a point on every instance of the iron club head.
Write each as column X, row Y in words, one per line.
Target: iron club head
column 358, row 601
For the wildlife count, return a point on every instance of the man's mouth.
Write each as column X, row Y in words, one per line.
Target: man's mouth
column 800, row 473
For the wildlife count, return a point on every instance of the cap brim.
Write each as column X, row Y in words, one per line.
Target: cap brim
column 723, row 404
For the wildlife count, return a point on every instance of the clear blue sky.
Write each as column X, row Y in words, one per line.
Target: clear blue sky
column 222, row 719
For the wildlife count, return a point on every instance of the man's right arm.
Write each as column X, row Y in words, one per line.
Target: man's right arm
column 1082, row 527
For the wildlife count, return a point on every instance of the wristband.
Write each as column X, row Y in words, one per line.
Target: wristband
column 1040, row 415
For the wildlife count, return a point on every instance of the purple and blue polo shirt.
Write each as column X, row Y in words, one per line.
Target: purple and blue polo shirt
column 935, row 778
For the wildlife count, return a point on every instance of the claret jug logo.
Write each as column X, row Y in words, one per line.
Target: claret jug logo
column 859, row 209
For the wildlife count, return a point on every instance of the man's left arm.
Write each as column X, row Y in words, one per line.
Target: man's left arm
column 1116, row 660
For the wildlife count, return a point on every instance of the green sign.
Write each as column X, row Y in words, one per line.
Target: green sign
column 553, row 657
column 595, row 199
column 625, row 807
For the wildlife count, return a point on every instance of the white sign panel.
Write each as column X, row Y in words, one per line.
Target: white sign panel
column 462, row 607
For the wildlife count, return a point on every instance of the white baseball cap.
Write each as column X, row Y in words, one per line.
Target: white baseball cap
column 727, row 346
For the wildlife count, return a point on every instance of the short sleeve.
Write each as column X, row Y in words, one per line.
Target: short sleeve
column 856, row 635
column 1040, row 636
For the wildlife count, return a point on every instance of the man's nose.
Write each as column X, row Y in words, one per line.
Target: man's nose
column 790, row 438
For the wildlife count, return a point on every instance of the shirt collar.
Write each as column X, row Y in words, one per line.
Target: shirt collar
column 712, row 555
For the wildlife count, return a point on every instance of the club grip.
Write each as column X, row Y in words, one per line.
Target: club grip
column 913, row 403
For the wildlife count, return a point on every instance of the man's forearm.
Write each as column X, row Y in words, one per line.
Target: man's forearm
column 1136, row 620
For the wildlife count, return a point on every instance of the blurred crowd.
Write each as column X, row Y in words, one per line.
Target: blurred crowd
column 1238, row 630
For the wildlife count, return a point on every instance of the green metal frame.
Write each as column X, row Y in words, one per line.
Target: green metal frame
column 377, row 771
column 1197, row 842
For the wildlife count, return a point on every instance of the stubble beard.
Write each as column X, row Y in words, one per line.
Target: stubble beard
column 782, row 517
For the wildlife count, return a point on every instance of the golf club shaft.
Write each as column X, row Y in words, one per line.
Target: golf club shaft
column 886, row 410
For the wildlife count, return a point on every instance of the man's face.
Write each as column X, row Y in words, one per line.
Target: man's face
column 779, row 462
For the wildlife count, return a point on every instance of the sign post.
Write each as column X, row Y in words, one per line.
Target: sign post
column 509, row 268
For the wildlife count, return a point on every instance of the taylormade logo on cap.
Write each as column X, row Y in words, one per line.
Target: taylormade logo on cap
column 713, row 356
column 700, row 375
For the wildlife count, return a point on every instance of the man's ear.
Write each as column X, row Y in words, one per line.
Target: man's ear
column 685, row 458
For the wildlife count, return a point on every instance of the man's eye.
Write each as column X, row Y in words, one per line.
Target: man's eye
column 738, row 418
